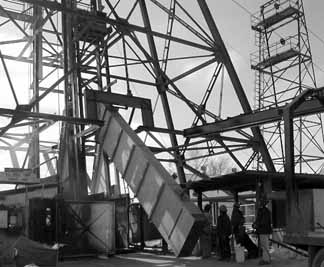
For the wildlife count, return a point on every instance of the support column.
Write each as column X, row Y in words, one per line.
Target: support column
column 34, row 160
column 75, row 184
column 199, row 199
column 290, row 169
column 294, row 215
column 236, row 197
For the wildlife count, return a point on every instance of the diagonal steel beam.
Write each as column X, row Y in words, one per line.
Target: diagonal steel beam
column 162, row 90
column 28, row 114
column 117, row 22
column 220, row 46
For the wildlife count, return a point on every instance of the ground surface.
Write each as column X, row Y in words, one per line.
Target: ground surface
column 147, row 259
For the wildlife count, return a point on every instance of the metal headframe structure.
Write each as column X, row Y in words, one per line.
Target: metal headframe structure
column 283, row 70
column 171, row 53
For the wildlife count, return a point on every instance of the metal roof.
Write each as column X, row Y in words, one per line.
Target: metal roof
column 247, row 180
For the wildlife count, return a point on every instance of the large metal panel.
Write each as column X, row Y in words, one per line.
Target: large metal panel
column 111, row 136
column 165, row 220
column 306, row 220
column 318, row 200
column 122, row 222
column 150, row 190
column 178, row 220
column 123, row 152
column 102, row 227
column 309, row 214
column 300, row 219
column 87, row 227
column 18, row 176
column 137, row 167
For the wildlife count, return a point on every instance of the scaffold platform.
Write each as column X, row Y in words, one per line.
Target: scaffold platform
column 275, row 18
column 276, row 59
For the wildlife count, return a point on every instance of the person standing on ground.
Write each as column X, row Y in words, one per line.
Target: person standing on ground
column 205, row 240
column 263, row 228
column 237, row 220
column 223, row 232
column 241, row 237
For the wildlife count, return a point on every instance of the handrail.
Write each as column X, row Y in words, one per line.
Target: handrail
column 271, row 8
column 283, row 45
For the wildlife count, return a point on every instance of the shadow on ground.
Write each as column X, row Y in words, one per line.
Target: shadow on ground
column 154, row 260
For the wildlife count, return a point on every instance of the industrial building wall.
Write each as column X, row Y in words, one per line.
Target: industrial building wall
column 19, row 199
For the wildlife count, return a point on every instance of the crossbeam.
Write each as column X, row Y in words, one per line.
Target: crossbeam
column 309, row 107
column 47, row 116
column 122, row 24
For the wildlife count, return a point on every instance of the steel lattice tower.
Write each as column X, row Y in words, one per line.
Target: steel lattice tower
column 284, row 69
column 167, row 52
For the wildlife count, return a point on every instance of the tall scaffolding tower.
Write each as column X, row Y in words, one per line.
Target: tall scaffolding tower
column 284, row 69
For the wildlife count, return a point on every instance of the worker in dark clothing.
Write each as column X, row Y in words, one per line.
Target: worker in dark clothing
column 263, row 228
column 205, row 239
column 237, row 220
column 241, row 237
column 223, row 232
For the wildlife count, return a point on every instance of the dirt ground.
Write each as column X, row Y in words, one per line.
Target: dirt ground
column 279, row 259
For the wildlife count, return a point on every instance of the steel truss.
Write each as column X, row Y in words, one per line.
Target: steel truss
column 145, row 49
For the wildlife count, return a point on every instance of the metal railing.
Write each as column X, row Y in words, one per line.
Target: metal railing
column 283, row 45
column 271, row 8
